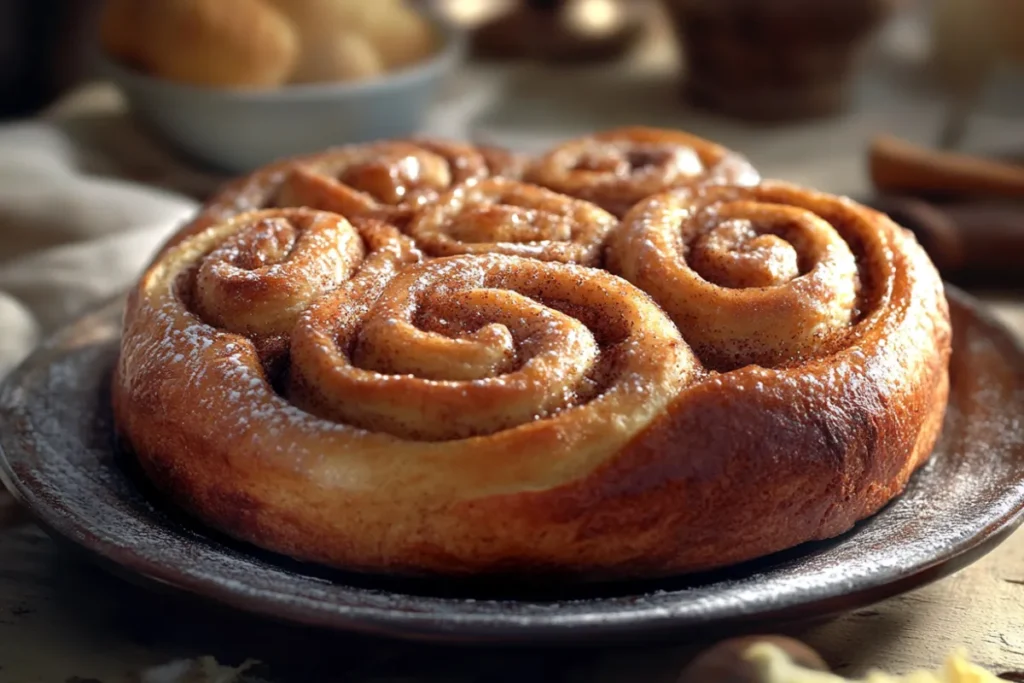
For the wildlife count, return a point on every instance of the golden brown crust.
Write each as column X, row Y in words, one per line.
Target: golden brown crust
column 408, row 172
column 484, row 413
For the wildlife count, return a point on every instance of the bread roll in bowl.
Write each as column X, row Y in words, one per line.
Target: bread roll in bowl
column 331, row 385
column 210, row 43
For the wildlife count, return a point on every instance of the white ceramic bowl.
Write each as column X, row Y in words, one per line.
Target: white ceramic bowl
column 237, row 130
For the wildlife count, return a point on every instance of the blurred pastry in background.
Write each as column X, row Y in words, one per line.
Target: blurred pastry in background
column 238, row 43
column 343, row 40
column 266, row 43
column 778, row 60
column 402, row 36
column 346, row 57
column 779, row 659
column 559, row 30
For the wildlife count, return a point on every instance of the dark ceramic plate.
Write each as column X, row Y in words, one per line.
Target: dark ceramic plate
column 59, row 459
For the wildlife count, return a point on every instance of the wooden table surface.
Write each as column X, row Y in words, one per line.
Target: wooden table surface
column 65, row 622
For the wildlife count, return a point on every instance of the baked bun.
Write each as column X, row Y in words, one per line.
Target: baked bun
column 346, row 57
column 230, row 43
column 467, row 377
column 343, row 40
column 388, row 180
column 617, row 168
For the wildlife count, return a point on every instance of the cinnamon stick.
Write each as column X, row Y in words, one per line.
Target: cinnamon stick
column 899, row 167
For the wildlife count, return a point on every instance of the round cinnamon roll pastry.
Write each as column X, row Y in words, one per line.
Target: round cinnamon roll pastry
column 465, row 394
column 617, row 168
column 500, row 216
column 264, row 268
column 270, row 267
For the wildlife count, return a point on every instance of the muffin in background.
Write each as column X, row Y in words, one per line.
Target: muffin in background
column 783, row 59
column 219, row 43
column 559, row 31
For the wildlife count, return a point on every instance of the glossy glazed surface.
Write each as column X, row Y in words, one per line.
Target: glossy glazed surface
column 306, row 367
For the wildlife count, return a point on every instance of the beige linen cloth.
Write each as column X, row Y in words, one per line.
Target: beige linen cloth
column 86, row 196
column 67, row 239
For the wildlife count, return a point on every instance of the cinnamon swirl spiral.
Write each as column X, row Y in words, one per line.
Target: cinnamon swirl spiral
column 463, row 347
column 829, row 333
column 413, row 389
column 386, row 180
column 766, row 275
column 503, row 216
column 617, row 168
column 454, row 388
